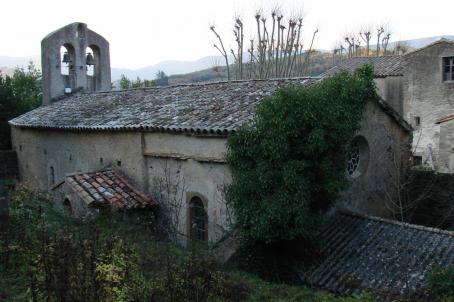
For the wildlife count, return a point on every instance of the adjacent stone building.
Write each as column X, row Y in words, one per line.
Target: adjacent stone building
column 420, row 87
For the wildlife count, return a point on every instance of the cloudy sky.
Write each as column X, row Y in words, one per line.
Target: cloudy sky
column 144, row 32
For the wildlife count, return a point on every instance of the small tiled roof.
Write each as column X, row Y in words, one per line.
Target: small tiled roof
column 445, row 119
column 107, row 187
column 218, row 108
column 363, row 253
column 383, row 66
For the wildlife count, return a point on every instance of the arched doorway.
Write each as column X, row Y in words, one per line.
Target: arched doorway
column 198, row 220
column 67, row 208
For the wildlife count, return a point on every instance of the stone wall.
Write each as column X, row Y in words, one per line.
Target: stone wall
column 180, row 167
column 194, row 164
column 390, row 89
column 371, row 191
column 428, row 97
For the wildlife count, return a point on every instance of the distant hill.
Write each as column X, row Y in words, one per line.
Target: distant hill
column 421, row 42
column 320, row 62
column 13, row 62
column 169, row 67
column 182, row 71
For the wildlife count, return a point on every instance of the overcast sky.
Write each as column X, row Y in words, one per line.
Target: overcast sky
column 144, row 32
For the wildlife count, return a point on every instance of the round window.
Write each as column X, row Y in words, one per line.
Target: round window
column 358, row 157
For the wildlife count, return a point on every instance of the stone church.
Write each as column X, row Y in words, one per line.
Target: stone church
column 133, row 148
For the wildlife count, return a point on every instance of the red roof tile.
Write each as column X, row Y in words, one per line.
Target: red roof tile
column 445, row 119
column 108, row 187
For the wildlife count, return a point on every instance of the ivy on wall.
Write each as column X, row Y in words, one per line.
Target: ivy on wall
column 289, row 164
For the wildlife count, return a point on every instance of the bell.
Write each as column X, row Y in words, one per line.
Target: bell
column 90, row 60
column 66, row 58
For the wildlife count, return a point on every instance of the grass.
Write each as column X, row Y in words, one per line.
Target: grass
column 260, row 290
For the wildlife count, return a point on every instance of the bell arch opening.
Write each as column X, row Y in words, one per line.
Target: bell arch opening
column 92, row 67
column 89, row 61
column 67, row 56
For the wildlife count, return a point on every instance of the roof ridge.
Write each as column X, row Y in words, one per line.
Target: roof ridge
column 205, row 84
column 105, row 169
column 375, row 57
column 441, row 40
column 398, row 223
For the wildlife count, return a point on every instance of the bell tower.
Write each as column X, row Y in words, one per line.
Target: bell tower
column 74, row 58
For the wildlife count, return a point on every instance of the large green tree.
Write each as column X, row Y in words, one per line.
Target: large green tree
column 19, row 93
column 289, row 164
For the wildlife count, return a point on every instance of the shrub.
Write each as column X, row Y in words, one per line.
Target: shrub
column 289, row 164
column 441, row 283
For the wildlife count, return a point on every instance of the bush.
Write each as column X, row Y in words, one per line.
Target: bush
column 19, row 93
column 289, row 164
column 55, row 258
column 441, row 283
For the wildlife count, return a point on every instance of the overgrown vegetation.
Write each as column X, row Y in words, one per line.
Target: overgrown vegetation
column 19, row 93
column 441, row 282
column 45, row 256
column 289, row 164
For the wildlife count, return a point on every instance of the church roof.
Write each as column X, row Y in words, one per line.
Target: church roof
column 211, row 108
column 217, row 108
column 361, row 253
column 383, row 66
column 107, row 187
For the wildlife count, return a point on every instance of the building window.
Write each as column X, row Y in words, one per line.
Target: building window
column 51, row 175
column 198, row 220
column 417, row 121
column 358, row 157
column 417, row 160
column 448, row 69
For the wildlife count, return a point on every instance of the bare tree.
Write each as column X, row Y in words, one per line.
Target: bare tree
column 276, row 51
column 350, row 44
column 385, row 41
column 221, row 50
column 168, row 188
column 401, row 48
column 380, row 31
column 366, row 36
column 353, row 42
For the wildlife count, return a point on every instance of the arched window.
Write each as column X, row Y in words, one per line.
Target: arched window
column 51, row 175
column 67, row 208
column 198, row 220
column 358, row 157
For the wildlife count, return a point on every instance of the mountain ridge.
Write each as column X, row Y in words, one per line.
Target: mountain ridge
column 178, row 67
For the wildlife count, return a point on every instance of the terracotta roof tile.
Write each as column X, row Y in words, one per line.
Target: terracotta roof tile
column 445, row 119
column 102, row 187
